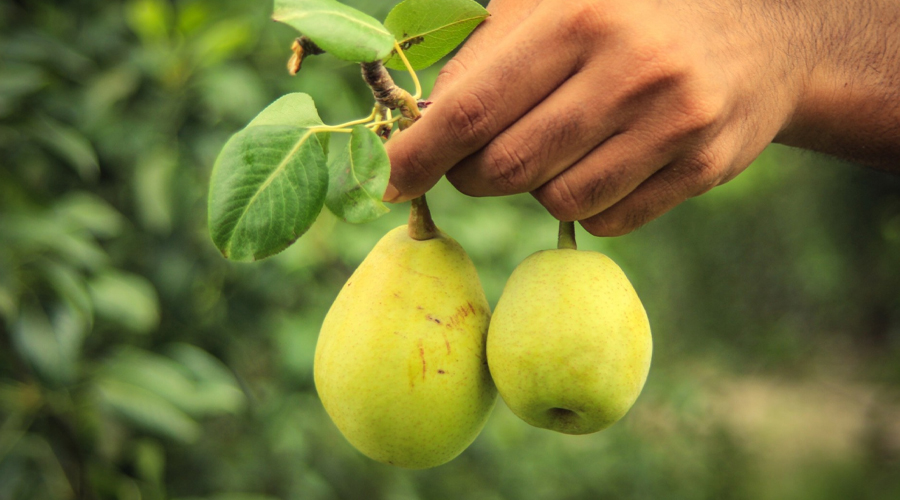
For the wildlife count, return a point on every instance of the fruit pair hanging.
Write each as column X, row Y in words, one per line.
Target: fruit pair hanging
column 409, row 360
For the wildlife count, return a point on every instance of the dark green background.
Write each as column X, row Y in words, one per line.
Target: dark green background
column 137, row 363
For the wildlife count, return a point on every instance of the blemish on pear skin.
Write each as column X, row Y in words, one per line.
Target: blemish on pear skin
column 432, row 318
column 441, row 372
column 422, row 355
column 446, row 342
column 462, row 312
column 436, row 278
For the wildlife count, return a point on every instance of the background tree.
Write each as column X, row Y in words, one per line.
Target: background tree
column 135, row 362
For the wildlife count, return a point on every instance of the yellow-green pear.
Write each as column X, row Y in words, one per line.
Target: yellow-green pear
column 569, row 344
column 400, row 363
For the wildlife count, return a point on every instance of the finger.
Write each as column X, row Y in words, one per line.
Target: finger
column 660, row 193
column 502, row 87
column 606, row 175
column 505, row 16
column 550, row 138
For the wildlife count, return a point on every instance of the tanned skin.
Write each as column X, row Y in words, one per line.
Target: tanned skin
column 612, row 112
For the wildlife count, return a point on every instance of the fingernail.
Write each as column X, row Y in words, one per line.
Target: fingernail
column 390, row 194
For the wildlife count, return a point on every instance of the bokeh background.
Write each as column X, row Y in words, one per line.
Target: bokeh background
column 137, row 363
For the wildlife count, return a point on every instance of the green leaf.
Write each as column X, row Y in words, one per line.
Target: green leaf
column 43, row 233
column 69, row 144
column 70, row 286
column 150, row 461
column 150, row 19
column 9, row 300
column 51, row 346
column 154, row 175
column 343, row 31
column 357, row 178
column 196, row 394
column 90, row 212
column 147, row 410
column 222, row 40
column 231, row 496
column 234, row 91
column 269, row 182
column 127, row 299
column 295, row 341
column 106, row 89
column 429, row 30
column 202, row 365
column 217, row 388
column 292, row 109
column 31, row 462
column 18, row 80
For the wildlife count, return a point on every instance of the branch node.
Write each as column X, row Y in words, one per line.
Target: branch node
column 302, row 47
column 387, row 93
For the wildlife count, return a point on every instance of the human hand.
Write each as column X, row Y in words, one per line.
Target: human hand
column 609, row 113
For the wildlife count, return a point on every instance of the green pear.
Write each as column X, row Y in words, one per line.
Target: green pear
column 400, row 363
column 569, row 344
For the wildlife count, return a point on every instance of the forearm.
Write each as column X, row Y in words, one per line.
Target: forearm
column 849, row 102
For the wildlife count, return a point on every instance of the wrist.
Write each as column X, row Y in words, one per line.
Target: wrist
column 847, row 102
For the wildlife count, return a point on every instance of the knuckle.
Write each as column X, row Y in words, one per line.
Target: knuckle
column 670, row 185
column 561, row 200
column 464, row 182
column 704, row 172
column 635, row 218
column 615, row 222
column 508, row 167
column 656, row 59
column 414, row 171
column 584, row 20
column 691, row 176
column 470, row 121
column 454, row 68
column 656, row 67
column 699, row 113
column 604, row 225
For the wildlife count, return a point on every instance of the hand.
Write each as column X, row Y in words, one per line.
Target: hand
column 610, row 113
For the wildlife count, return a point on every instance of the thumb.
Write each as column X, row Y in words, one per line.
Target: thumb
column 406, row 170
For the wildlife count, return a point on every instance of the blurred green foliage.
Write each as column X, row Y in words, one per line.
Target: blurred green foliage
column 137, row 363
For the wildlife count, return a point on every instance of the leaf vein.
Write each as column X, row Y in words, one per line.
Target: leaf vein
column 308, row 13
column 271, row 177
column 441, row 28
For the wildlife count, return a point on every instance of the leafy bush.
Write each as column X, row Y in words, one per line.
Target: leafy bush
column 135, row 362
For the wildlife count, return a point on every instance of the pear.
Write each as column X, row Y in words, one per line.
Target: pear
column 569, row 344
column 400, row 362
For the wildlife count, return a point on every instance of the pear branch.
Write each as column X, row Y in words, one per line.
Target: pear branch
column 387, row 93
column 389, row 96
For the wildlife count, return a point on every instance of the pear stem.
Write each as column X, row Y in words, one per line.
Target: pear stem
column 421, row 227
column 567, row 235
